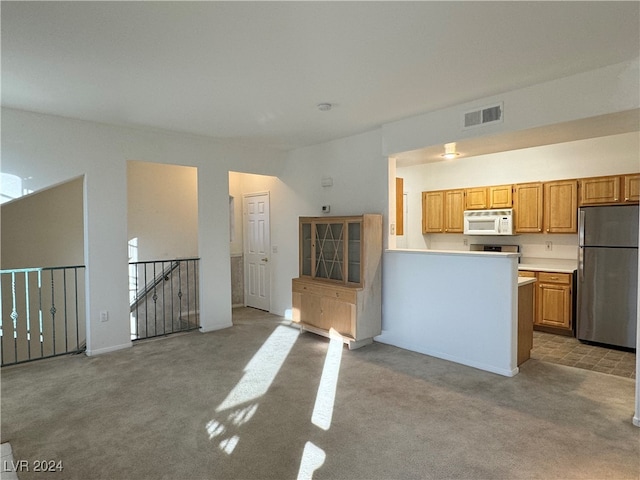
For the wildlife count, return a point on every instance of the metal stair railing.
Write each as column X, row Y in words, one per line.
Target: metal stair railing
column 163, row 297
column 43, row 313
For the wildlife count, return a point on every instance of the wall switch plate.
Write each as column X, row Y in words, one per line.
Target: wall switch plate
column 548, row 246
column 104, row 316
column 393, row 229
column 274, row 249
column 326, row 208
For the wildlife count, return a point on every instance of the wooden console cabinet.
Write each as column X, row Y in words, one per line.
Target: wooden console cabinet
column 338, row 291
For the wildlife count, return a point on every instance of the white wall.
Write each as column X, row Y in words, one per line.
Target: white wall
column 460, row 307
column 53, row 149
column 44, row 229
column 584, row 158
column 162, row 210
column 359, row 174
column 596, row 92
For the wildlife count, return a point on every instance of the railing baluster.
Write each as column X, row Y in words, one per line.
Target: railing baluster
column 23, row 323
column 53, row 312
column 66, row 319
column 27, row 301
column 1, row 326
column 14, row 316
column 75, row 275
column 40, row 329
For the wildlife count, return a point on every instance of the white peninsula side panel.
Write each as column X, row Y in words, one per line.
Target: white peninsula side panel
column 458, row 306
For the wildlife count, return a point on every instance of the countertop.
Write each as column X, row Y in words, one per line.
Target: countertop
column 559, row 265
column 522, row 281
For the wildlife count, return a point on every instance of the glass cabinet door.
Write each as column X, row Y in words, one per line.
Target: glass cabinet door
column 354, row 251
column 305, row 249
column 329, row 251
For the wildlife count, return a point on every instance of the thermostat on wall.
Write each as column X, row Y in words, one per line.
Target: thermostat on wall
column 326, row 208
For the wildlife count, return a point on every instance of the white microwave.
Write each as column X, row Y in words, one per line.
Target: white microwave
column 488, row 222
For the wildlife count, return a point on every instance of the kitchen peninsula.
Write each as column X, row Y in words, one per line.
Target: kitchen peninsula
column 460, row 306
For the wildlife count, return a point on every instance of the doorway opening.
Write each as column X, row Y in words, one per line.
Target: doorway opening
column 251, row 249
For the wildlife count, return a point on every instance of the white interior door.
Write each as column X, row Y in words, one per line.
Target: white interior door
column 257, row 245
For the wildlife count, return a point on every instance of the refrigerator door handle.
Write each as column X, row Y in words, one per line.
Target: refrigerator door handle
column 581, row 264
column 581, row 215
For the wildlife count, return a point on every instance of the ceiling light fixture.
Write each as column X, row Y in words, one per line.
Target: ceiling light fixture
column 324, row 107
column 450, row 151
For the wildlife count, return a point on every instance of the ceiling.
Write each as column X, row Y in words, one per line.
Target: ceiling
column 254, row 72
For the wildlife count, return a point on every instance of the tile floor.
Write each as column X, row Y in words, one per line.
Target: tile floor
column 569, row 351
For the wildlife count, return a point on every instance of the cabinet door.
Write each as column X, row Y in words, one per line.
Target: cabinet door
column 338, row 315
column 554, row 305
column 432, row 212
column 598, row 190
column 476, row 198
column 354, row 253
column 561, row 206
column 454, row 211
column 528, row 207
column 307, row 309
column 306, row 255
column 632, row 188
column 329, row 255
column 501, row 196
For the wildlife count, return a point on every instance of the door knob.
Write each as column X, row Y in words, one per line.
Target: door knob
column 265, row 259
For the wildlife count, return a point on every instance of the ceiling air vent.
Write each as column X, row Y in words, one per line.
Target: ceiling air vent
column 483, row 116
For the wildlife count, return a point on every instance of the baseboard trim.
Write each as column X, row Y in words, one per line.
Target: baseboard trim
column 389, row 339
column 114, row 348
column 213, row 328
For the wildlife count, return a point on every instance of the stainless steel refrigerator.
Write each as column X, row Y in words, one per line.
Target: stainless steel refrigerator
column 608, row 275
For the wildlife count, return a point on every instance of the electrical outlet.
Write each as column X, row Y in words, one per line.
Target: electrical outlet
column 465, row 242
column 104, row 316
column 393, row 229
column 548, row 246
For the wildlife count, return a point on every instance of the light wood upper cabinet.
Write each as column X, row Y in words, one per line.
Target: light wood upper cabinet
column 443, row 211
column 433, row 212
column 561, row 206
column 454, row 211
column 477, row 198
column 527, row 204
column 501, row 196
column 631, row 188
column 599, row 190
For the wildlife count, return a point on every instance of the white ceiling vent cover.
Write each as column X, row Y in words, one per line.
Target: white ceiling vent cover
column 483, row 116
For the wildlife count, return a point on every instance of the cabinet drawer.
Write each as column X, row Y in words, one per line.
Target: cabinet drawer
column 347, row 295
column 549, row 277
column 526, row 273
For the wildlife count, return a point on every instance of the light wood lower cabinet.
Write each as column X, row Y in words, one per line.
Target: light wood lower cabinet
column 553, row 302
column 326, row 309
